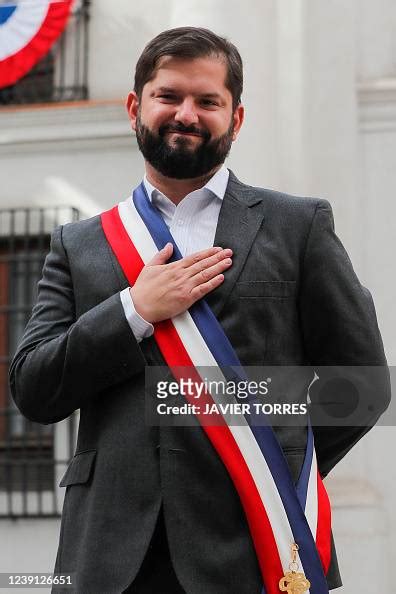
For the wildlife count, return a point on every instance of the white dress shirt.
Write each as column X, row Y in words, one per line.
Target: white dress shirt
column 192, row 224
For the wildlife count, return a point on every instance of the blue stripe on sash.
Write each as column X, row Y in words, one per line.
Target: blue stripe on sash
column 293, row 498
column 303, row 479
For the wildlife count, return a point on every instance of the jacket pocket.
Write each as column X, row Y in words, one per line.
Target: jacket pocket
column 79, row 469
column 269, row 289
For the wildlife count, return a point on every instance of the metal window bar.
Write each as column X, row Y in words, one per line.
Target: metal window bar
column 62, row 75
column 32, row 456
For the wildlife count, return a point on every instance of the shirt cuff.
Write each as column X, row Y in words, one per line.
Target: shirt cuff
column 138, row 325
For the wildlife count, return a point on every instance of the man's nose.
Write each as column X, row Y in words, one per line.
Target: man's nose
column 186, row 113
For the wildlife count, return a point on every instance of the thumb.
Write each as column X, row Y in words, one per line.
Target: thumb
column 162, row 256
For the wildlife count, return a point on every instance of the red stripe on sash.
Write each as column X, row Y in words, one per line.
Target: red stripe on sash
column 123, row 248
column 323, row 532
column 221, row 437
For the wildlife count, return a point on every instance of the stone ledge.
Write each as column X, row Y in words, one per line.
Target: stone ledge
column 377, row 105
column 65, row 127
column 352, row 492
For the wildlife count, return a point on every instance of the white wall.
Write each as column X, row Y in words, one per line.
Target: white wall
column 376, row 26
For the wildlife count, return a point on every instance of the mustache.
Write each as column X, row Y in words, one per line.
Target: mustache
column 162, row 130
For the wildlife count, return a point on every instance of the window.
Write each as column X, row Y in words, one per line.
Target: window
column 31, row 455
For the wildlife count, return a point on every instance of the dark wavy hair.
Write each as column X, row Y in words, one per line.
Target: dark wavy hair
column 191, row 42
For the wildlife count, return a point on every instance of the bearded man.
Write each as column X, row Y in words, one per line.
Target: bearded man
column 195, row 267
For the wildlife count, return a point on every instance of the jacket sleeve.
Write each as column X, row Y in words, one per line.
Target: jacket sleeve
column 341, row 334
column 63, row 362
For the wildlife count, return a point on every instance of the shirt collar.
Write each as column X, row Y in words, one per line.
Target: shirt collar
column 217, row 184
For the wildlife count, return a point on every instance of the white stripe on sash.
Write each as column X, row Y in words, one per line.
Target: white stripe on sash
column 311, row 506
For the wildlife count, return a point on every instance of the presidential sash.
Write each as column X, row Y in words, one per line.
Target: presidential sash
column 290, row 524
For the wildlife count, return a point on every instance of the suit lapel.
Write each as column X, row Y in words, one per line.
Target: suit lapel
column 239, row 221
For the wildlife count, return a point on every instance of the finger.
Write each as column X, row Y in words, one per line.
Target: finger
column 208, row 273
column 162, row 256
column 208, row 262
column 203, row 289
column 198, row 256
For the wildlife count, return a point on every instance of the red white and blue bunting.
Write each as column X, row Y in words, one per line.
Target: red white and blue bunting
column 28, row 29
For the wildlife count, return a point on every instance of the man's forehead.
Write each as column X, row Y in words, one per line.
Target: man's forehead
column 209, row 70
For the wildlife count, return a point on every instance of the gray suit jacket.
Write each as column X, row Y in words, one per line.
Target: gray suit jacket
column 291, row 297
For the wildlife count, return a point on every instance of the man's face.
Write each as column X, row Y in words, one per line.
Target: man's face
column 184, row 122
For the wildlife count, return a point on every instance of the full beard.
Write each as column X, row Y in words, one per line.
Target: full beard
column 180, row 161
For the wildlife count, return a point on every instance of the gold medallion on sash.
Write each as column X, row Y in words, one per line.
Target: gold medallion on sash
column 294, row 581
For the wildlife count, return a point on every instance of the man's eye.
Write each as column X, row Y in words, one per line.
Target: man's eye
column 167, row 96
column 209, row 102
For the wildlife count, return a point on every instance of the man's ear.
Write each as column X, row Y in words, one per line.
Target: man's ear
column 238, row 118
column 132, row 105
